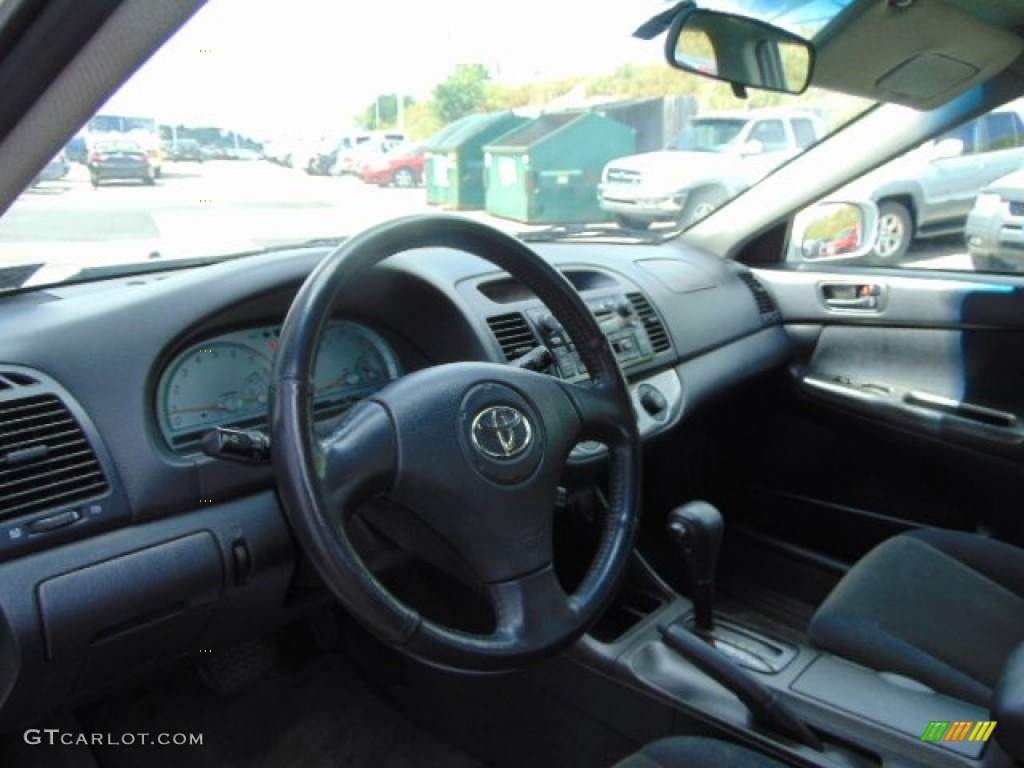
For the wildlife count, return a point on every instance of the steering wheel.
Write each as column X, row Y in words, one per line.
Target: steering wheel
column 474, row 450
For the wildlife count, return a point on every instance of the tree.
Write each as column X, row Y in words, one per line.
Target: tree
column 382, row 113
column 463, row 93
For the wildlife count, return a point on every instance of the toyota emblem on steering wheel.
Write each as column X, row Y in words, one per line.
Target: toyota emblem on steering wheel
column 501, row 432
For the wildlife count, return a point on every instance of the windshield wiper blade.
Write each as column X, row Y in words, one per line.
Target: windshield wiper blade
column 595, row 232
column 320, row 242
column 12, row 278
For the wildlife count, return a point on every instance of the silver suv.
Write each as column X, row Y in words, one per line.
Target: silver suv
column 929, row 191
column 715, row 157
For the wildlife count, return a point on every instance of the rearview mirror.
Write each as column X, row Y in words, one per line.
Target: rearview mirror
column 739, row 50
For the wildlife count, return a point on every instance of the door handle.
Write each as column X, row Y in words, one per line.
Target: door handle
column 860, row 297
column 866, row 302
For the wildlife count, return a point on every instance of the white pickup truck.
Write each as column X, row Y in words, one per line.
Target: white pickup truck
column 715, row 157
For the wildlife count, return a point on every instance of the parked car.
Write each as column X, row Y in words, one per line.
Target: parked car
column 344, row 156
column 119, row 160
column 183, row 150
column 242, row 153
column 846, row 242
column 401, row 167
column 347, row 159
column 714, row 158
column 57, row 168
column 929, row 191
column 994, row 232
column 76, row 150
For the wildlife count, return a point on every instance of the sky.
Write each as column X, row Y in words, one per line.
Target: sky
column 308, row 66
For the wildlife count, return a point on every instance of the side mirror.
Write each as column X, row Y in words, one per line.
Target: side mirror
column 739, row 50
column 833, row 231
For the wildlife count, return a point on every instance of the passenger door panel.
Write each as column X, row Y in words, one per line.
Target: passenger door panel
column 905, row 413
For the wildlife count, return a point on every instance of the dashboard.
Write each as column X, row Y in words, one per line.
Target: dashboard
column 125, row 545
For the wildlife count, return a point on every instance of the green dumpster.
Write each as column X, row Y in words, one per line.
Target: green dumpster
column 458, row 163
column 435, row 162
column 547, row 171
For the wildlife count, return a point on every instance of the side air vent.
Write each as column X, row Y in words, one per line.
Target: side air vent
column 45, row 459
column 513, row 334
column 652, row 323
column 765, row 303
column 13, row 379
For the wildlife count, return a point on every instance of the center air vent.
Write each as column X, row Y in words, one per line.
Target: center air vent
column 652, row 323
column 45, row 459
column 765, row 303
column 513, row 334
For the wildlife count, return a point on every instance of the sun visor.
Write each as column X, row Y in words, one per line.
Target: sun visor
column 920, row 55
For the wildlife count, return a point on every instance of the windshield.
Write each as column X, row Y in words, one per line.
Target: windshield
column 261, row 126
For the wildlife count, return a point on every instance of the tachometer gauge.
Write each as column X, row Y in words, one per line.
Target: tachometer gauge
column 353, row 362
column 216, row 383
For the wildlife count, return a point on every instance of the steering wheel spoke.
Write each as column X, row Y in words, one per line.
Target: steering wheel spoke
column 359, row 458
column 602, row 414
column 532, row 609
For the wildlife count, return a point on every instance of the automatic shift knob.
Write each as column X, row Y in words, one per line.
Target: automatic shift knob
column 696, row 528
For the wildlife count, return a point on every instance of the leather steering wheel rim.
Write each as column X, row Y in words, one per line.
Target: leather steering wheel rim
column 491, row 505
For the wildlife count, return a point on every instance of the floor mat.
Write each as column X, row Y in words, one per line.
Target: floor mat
column 321, row 716
column 527, row 718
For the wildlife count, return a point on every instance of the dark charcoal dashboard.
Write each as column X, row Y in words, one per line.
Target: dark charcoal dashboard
column 124, row 548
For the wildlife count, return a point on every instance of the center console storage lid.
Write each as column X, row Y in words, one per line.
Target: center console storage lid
column 892, row 701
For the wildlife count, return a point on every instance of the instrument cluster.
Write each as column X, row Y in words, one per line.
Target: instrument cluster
column 224, row 381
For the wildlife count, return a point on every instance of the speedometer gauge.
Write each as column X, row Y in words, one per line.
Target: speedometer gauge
column 216, row 383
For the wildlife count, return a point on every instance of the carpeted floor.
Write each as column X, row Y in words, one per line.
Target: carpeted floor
column 320, row 716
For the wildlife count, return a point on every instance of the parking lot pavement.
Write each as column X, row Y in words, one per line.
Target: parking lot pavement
column 939, row 253
column 220, row 207
column 193, row 210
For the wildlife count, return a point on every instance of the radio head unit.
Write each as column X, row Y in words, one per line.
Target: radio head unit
column 617, row 318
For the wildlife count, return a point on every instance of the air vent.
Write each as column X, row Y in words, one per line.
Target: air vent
column 652, row 323
column 12, row 379
column 765, row 303
column 45, row 459
column 513, row 334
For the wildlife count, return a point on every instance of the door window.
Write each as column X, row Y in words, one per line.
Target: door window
column 954, row 203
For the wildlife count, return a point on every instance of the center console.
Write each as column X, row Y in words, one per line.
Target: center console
column 618, row 319
column 520, row 324
column 740, row 679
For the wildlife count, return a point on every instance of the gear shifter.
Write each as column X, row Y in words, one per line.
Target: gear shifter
column 723, row 653
column 696, row 527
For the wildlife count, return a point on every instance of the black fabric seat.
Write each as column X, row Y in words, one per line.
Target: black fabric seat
column 696, row 752
column 941, row 607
